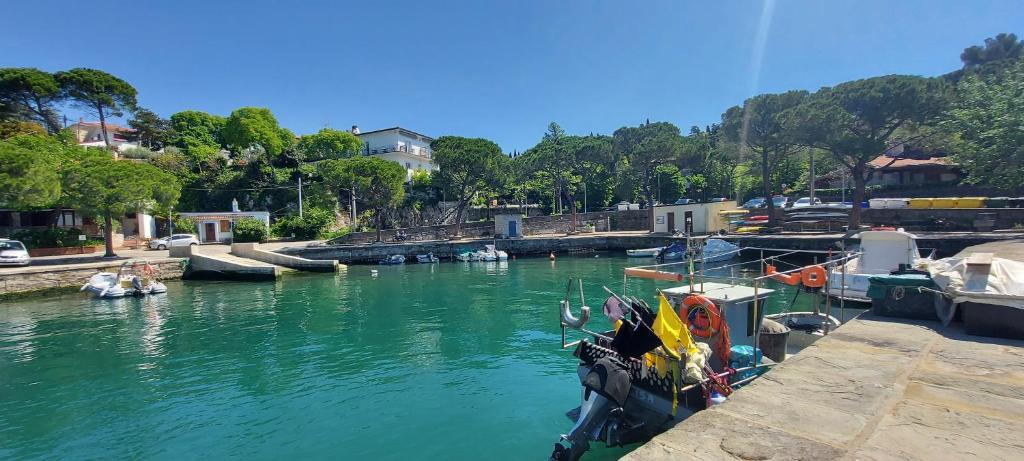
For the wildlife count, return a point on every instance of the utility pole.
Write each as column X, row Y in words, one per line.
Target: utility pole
column 300, row 196
column 812, row 175
column 584, row 196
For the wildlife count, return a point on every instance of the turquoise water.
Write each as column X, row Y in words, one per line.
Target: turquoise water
column 444, row 361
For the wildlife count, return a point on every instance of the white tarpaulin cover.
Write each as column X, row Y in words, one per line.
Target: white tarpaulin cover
column 1003, row 286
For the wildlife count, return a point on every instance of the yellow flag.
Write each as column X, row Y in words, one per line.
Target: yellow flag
column 672, row 331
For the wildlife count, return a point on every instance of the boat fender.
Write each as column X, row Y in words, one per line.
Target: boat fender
column 104, row 292
column 814, row 276
column 692, row 306
column 571, row 321
column 84, row 286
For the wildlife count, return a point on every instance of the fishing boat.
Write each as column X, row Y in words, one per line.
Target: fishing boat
column 881, row 253
column 677, row 250
column 644, row 252
column 393, row 260
column 131, row 279
column 428, row 258
column 636, row 386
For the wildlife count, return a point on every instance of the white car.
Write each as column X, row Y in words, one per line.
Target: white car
column 806, row 201
column 176, row 240
column 13, row 253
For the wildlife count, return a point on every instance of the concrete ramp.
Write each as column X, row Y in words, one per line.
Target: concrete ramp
column 252, row 251
column 224, row 266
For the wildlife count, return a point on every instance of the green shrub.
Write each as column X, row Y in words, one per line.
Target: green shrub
column 313, row 224
column 184, row 225
column 249, row 230
column 336, row 234
column 55, row 237
column 137, row 153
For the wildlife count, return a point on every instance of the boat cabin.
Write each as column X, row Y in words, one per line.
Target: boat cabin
column 736, row 302
column 884, row 251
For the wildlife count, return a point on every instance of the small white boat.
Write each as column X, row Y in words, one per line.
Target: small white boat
column 716, row 250
column 126, row 282
column 393, row 260
column 882, row 252
column 644, row 252
column 490, row 253
column 428, row 258
column 468, row 256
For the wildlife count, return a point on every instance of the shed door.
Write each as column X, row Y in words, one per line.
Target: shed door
column 210, row 229
column 513, row 231
column 671, row 222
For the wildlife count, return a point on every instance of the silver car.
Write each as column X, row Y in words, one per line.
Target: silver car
column 13, row 253
column 176, row 240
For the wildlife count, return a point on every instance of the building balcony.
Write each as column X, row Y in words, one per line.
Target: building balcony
column 400, row 147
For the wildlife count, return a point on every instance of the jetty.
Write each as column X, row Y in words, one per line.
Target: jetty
column 875, row 388
column 245, row 261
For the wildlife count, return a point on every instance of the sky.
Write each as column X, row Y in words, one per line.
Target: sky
column 500, row 70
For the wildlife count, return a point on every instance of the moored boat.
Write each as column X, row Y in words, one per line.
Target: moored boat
column 428, row 258
column 131, row 279
column 644, row 252
column 881, row 253
column 393, row 260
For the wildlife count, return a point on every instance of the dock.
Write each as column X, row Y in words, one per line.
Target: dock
column 245, row 261
column 876, row 388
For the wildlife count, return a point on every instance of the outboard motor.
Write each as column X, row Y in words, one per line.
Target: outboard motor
column 137, row 285
column 605, row 389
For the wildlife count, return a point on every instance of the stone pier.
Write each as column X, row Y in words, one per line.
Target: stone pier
column 872, row 390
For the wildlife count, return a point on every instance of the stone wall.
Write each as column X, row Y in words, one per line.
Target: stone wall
column 555, row 224
column 44, row 278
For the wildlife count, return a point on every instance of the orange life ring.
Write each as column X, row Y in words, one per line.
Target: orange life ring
column 814, row 276
column 703, row 326
column 791, row 278
column 147, row 270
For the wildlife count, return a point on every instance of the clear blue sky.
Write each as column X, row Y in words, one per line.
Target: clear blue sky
column 499, row 70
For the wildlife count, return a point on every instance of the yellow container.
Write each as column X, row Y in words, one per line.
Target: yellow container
column 920, row 203
column 947, row 202
column 970, row 202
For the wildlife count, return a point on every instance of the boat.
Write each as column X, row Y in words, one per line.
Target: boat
column 393, row 260
column 632, row 388
column 644, row 252
column 676, row 250
column 716, row 250
column 427, row 258
column 490, row 253
column 805, row 327
column 131, row 279
column 467, row 256
column 881, row 253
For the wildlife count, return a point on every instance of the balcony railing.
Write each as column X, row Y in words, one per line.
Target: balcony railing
column 400, row 147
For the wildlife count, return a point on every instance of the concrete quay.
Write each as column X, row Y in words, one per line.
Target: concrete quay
column 874, row 389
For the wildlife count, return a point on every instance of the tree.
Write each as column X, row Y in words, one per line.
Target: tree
column 328, row 144
column 151, row 130
column 1003, row 46
column 379, row 182
column 251, row 127
column 105, row 187
column 569, row 162
column 29, row 178
column 31, row 93
column 759, row 127
column 198, row 135
column 644, row 148
column 99, row 93
column 467, row 167
column 855, row 121
column 12, row 128
column 989, row 118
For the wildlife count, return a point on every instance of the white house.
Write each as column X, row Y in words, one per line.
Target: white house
column 218, row 226
column 696, row 218
column 408, row 148
column 89, row 134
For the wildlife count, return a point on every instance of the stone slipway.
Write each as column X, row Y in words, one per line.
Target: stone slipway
column 872, row 390
column 254, row 252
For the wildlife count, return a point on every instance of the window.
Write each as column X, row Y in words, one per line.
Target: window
column 225, row 225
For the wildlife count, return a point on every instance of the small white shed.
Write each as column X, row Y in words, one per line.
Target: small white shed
column 508, row 225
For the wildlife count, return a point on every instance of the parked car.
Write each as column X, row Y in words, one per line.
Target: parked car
column 780, row 201
column 685, row 201
column 756, row 202
column 13, row 253
column 176, row 240
column 806, row 201
column 718, row 200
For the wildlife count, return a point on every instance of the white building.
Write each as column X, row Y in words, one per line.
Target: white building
column 218, row 226
column 408, row 148
column 89, row 134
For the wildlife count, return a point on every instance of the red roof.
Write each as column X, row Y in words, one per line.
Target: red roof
column 883, row 161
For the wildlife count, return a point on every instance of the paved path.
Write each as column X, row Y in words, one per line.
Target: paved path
column 68, row 261
column 872, row 390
